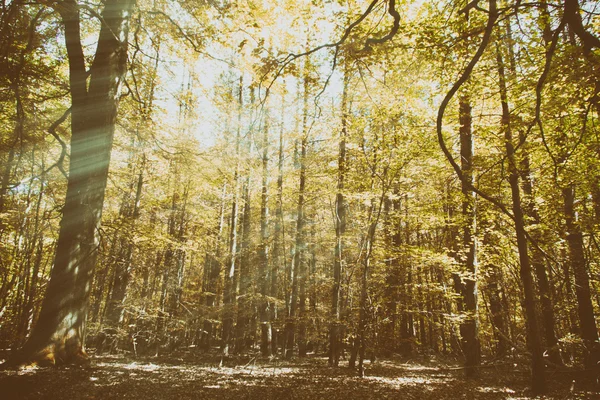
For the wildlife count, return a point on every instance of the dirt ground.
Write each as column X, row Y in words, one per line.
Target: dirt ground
column 195, row 377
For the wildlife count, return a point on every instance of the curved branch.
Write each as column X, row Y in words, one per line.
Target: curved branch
column 63, row 151
column 394, row 13
column 492, row 17
column 538, row 91
column 573, row 17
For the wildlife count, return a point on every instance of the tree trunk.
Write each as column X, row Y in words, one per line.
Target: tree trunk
column 392, row 296
column 470, row 326
column 123, row 267
column 497, row 311
column 299, row 264
column 35, row 251
column 533, row 332
column 244, row 304
column 230, row 290
column 298, row 295
column 585, row 308
column 362, row 320
column 278, row 250
column 335, row 341
column 5, row 181
column 263, row 251
column 300, row 259
column 59, row 335
column 538, row 263
column 212, row 275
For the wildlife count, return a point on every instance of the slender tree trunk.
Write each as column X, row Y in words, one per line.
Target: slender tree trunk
column 392, row 295
column 335, row 341
column 179, row 254
column 102, row 273
column 123, row 267
column 299, row 263
column 300, row 256
column 298, row 296
column 362, row 324
column 408, row 328
column 585, row 308
column 212, row 275
column 278, row 251
column 539, row 265
column 263, row 262
column 470, row 326
column 35, row 256
column 533, row 331
column 169, row 261
column 537, row 258
column 6, row 173
column 244, row 307
column 230, row 290
column 244, row 304
column 497, row 311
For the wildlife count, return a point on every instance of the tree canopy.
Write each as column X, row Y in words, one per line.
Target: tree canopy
column 301, row 178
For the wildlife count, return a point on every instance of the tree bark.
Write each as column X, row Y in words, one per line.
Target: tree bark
column 123, row 267
column 585, row 308
column 335, row 342
column 59, row 335
column 278, row 244
column 263, row 251
column 538, row 377
column 470, row 326
column 212, row 276
column 244, row 304
column 230, row 290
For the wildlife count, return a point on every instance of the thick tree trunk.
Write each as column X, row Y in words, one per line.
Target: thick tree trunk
column 58, row 337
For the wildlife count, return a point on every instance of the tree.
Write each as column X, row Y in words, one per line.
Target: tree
column 58, row 336
column 469, row 328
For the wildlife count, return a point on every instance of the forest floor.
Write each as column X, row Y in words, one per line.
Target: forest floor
column 201, row 377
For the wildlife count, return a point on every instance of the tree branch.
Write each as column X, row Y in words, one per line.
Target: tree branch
column 573, row 17
column 492, row 17
column 292, row 56
column 392, row 11
column 63, row 152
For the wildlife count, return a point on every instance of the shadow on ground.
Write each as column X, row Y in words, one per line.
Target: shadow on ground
column 121, row 378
